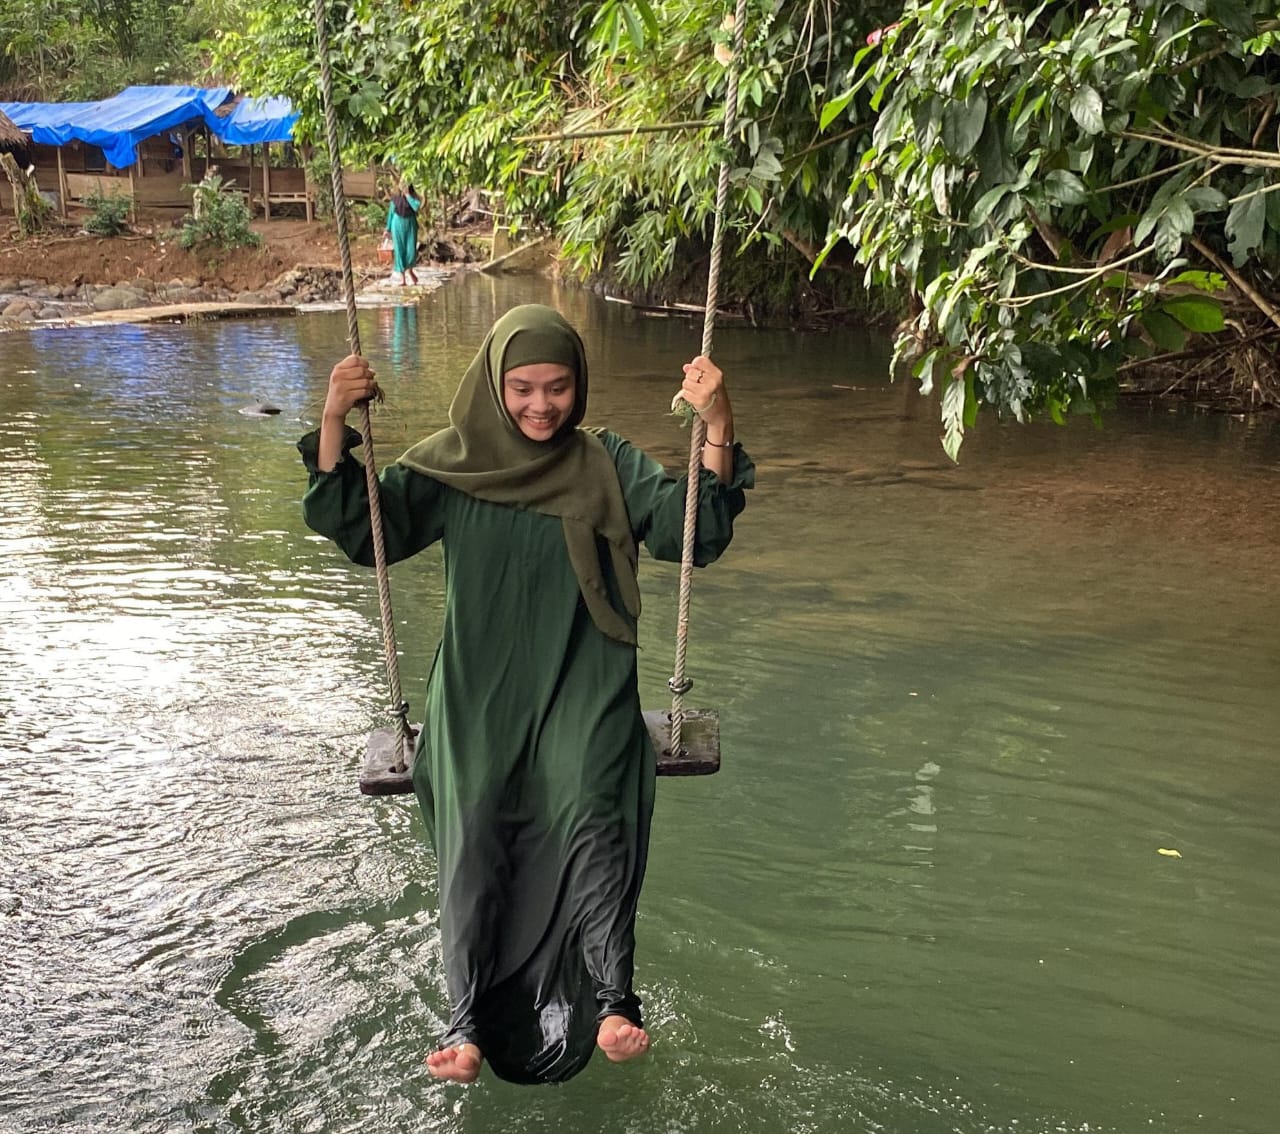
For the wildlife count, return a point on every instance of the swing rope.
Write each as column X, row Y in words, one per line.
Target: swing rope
column 390, row 655
column 679, row 683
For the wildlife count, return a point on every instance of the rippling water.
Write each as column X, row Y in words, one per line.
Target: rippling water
column 964, row 709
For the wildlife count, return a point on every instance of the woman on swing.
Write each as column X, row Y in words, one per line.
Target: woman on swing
column 534, row 771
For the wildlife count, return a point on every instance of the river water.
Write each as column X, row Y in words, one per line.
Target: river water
column 964, row 710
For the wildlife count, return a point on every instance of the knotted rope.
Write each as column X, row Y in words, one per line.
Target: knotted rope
column 390, row 656
column 679, row 683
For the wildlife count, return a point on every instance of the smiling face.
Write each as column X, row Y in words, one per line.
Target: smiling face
column 539, row 398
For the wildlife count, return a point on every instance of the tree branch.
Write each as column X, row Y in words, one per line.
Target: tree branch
column 1236, row 278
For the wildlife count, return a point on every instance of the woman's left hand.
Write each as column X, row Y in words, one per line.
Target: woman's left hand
column 703, row 388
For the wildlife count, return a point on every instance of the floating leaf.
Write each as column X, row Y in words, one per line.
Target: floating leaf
column 1168, row 852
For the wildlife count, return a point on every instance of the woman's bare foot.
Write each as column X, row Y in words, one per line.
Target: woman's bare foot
column 620, row 1039
column 460, row 1064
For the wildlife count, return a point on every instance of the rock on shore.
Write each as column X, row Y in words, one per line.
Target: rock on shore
column 26, row 301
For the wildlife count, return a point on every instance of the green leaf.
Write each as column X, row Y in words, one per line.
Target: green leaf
column 635, row 26
column 994, row 164
column 938, row 187
column 1233, row 15
column 1180, row 215
column 953, row 418
column 924, row 371
column 1205, row 281
column 646, row 13
column 1065, row 188
column 1205, row 199
column 963, row 122
column 1245, row 223
column 987, row 202
column 1164, row 331
column 834, row 109
column 1086, row 109
column 1196, row 313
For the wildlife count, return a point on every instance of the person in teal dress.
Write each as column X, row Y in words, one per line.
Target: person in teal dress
column 533, row 769
column 402, row 225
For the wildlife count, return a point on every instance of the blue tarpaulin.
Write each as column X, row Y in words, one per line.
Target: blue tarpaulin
column 117, row 125
column 257, row 120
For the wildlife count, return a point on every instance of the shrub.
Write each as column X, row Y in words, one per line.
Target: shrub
column 106, row 214
column 371, row 215
column 320, row 173
column 218, row 217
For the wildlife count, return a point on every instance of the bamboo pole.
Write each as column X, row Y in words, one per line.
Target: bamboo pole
column 62, row 185
column 616, row 131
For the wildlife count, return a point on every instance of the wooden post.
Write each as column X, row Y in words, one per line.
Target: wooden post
column 133, row 197
column 306, row 193
column 62, row 185
column 266, row 181
column 248, row 199
column 186, row 155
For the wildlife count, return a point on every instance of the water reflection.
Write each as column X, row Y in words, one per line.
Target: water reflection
column 963, row 707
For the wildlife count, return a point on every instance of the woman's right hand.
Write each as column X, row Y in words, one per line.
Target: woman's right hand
column 350, row 383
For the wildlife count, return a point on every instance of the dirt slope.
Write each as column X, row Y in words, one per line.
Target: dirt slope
column 152, row 252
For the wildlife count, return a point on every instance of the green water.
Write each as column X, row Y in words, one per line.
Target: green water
column 963, row 709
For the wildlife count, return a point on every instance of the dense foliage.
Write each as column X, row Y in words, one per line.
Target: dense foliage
column 1053, row 191
column 1062, row 187
column 71, row 50
column 457, row 94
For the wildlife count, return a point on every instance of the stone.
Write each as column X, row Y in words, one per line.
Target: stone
column 116, row 299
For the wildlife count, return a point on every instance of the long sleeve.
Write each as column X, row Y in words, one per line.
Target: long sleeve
column 391, row 212
column 655, row 502
column 336, row 504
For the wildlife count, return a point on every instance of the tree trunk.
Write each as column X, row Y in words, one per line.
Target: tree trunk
column 32, row 209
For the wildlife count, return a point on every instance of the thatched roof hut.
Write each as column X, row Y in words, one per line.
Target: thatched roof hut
column 14, row 141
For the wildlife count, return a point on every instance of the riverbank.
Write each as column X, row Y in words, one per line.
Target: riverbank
column 68, row 274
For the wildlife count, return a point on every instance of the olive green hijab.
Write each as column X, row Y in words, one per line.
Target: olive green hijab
column 484, row 454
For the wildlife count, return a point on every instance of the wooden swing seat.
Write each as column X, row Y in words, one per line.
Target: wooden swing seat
column 699, row 753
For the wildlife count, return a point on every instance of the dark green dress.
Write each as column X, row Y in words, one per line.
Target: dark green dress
column 534, row 770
